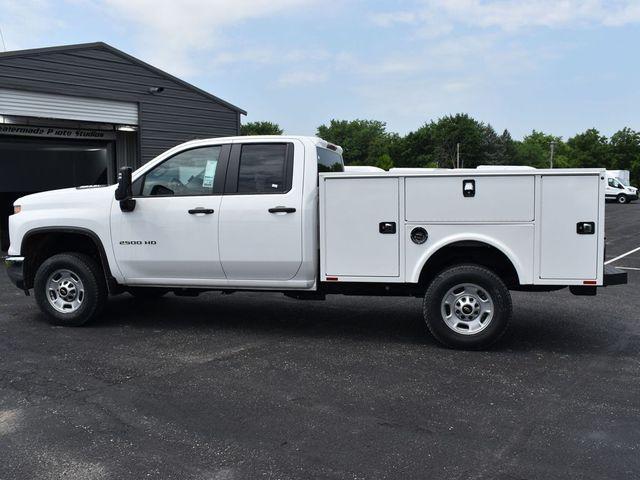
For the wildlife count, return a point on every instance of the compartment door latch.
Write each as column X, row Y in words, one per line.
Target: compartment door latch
column 469, row 188
column 387, row 227
column 586, row 228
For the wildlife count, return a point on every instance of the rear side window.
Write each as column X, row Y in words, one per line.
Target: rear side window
column 263, row 168
column 329, row 161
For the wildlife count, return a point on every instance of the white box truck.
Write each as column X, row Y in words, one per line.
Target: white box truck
column 281, row 214
column 618, row 188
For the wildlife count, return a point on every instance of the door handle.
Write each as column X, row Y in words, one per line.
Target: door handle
column 196, row 211
column 282, row 210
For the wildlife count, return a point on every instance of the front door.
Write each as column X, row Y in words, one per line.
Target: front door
column 261, row 212
column 614, row 188
column 171, row 237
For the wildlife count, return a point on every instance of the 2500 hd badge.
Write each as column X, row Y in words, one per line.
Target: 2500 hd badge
column 138, row 242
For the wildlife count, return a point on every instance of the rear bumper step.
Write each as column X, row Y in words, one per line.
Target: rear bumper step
column 614, row 276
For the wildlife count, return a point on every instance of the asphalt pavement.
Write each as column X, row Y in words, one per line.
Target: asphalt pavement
column 256, row 385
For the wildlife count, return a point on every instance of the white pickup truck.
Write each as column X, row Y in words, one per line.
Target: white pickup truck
column 281, row 214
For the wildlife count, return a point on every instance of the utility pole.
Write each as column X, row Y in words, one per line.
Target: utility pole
column 552, row 145
column 457, row 155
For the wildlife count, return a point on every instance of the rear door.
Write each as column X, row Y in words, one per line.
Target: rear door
column 261, row 211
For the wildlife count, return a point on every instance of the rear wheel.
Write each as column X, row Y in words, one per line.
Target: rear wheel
column 467, row 307
column 622, row 199
column 70, row 289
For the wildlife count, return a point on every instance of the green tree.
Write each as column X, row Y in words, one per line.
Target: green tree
column 535, row 149
column 363, row 141
column 469, row 133
column 416, row 149
column 385, row 162
column 261, row 128
column 492, row 150
column 625, row 153
column 589, row 149
column 507, row 148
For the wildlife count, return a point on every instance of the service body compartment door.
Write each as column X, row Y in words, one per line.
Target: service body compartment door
column 360, row 227
column 438, row 198
column 565, row 202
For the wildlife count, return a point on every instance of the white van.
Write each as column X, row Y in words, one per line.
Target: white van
column 618, row 190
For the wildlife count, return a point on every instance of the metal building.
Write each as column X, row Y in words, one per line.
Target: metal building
column 72, row 115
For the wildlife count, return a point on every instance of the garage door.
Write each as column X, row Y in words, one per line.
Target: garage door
column 45, row 105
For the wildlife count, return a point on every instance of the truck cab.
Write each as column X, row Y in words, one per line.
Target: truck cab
column 280, row 213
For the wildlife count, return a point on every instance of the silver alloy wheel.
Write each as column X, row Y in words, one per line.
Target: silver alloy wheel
column 467, row 309
column 65, row 291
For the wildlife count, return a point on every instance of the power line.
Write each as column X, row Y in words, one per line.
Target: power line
column 4, row 45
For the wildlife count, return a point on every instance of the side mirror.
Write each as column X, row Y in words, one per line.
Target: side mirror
column 124, row 192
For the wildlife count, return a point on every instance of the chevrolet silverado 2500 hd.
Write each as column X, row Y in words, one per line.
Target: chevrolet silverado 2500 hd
column 281, row 214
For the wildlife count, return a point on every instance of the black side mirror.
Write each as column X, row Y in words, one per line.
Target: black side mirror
column 124, row 192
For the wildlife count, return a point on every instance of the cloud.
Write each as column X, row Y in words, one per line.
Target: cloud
column 513, row 15
column 26, row 21
column 169, row 32
column 476, row 49
column 391, row 18
column 299, row 78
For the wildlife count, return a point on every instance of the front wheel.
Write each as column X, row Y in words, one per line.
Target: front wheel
column 467, row 307
column 70, row 289
column 622, row 199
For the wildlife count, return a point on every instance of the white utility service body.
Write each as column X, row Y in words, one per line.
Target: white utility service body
column 526, row 215
column 261, row 213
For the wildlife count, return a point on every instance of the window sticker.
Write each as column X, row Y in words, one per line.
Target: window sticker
column 209, row 173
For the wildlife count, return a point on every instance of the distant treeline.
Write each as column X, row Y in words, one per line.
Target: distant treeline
column 367, row 142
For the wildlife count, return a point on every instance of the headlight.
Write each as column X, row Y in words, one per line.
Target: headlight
column 17, row 209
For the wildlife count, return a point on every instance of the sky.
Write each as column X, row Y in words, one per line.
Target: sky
column 558, row 66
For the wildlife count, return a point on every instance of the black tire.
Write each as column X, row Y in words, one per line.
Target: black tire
column 434, row 310
column 622, row 199
column 95, row 292
column 147, row 293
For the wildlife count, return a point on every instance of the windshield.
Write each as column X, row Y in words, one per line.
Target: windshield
column 621, row 182
column 329, row 161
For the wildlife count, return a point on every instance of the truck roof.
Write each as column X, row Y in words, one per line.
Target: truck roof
column 319, row 142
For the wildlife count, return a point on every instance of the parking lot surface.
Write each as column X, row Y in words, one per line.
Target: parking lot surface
column 261, row 386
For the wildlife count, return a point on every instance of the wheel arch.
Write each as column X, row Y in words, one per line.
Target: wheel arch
column 478, row 249
column 40, row 243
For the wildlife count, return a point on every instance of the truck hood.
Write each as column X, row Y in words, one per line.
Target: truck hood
column 67, row 197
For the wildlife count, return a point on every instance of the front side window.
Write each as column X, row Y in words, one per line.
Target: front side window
column 329, row 161
column 191, row 172
column 614, row 183
column 262, row 168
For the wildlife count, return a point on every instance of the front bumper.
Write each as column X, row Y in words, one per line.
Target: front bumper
column 633, row 197
column 14, row 266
